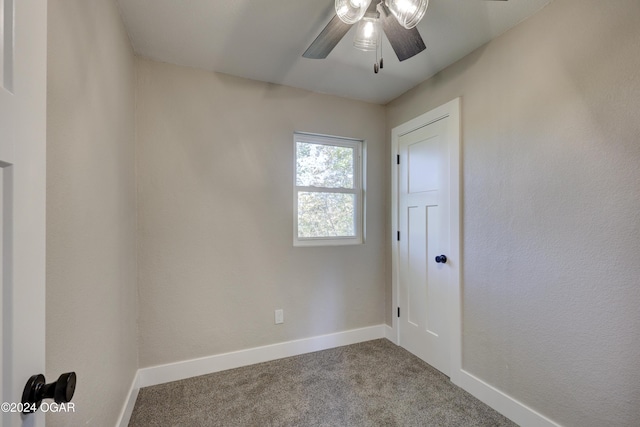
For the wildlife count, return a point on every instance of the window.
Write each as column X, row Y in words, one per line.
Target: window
column 328, row 192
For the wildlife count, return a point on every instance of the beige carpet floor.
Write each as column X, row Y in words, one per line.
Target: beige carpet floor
column 374, row 383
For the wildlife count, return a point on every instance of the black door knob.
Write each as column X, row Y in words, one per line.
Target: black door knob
column 441, row 259
column 36, row 390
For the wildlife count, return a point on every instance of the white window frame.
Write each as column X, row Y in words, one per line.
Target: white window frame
column 358, row 190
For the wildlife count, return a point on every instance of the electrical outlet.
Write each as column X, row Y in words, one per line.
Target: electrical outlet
column 279, row 316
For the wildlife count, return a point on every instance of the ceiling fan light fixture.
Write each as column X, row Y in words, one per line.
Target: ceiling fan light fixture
column 351, row 11
column 407, row 12
column 367, row 34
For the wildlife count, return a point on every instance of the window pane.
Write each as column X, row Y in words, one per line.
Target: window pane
column 322, row 165
column 326, row 215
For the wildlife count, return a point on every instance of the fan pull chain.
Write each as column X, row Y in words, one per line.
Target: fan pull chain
column 381, row 60
column 379, row 64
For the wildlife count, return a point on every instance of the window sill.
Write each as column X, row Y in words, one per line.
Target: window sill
column 347, row 241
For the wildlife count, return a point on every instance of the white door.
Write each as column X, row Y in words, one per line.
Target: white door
column 427, row 260
column 23, row 57
column 423, row 219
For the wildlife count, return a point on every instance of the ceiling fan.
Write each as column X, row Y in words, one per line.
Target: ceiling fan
column 398, row 19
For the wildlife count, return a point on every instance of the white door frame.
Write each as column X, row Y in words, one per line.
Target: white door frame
column 23, row 98
column 452, row 111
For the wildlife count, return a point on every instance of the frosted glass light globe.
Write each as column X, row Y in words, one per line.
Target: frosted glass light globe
column 408, row 12
column 351, row 11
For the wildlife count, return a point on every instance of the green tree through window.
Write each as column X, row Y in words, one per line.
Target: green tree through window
column 328, row 192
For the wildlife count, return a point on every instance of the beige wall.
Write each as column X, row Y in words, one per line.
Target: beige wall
column 215, row 159
column 551, row 212
column 91, row 212
column 551, row 217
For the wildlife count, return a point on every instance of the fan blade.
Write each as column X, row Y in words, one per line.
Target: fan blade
column 327, row 39
column 405, row 43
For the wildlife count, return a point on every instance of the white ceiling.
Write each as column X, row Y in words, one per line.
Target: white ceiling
column 264, row 40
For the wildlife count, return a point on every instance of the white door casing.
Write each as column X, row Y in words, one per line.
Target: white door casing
column 23, row 60
column 426, row 211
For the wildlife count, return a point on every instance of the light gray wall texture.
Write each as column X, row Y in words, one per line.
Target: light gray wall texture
column 215, row 215
column 551, row 211
column 551, row 224
column 91, row 209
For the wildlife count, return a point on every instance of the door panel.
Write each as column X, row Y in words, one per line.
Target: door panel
column 2, row 268
column 423, row 219
column 423, row 164
column 417, row 248
column 6, row 157
column 23, row 59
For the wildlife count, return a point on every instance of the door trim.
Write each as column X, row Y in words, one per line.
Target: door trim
column 451, row 110
column 24, row 103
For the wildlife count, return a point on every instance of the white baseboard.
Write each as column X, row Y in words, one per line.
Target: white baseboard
column 206, row 365
column 390, row 334
column 127, row 409
column 498, row 400
column 511, row 408
column 220, row 362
